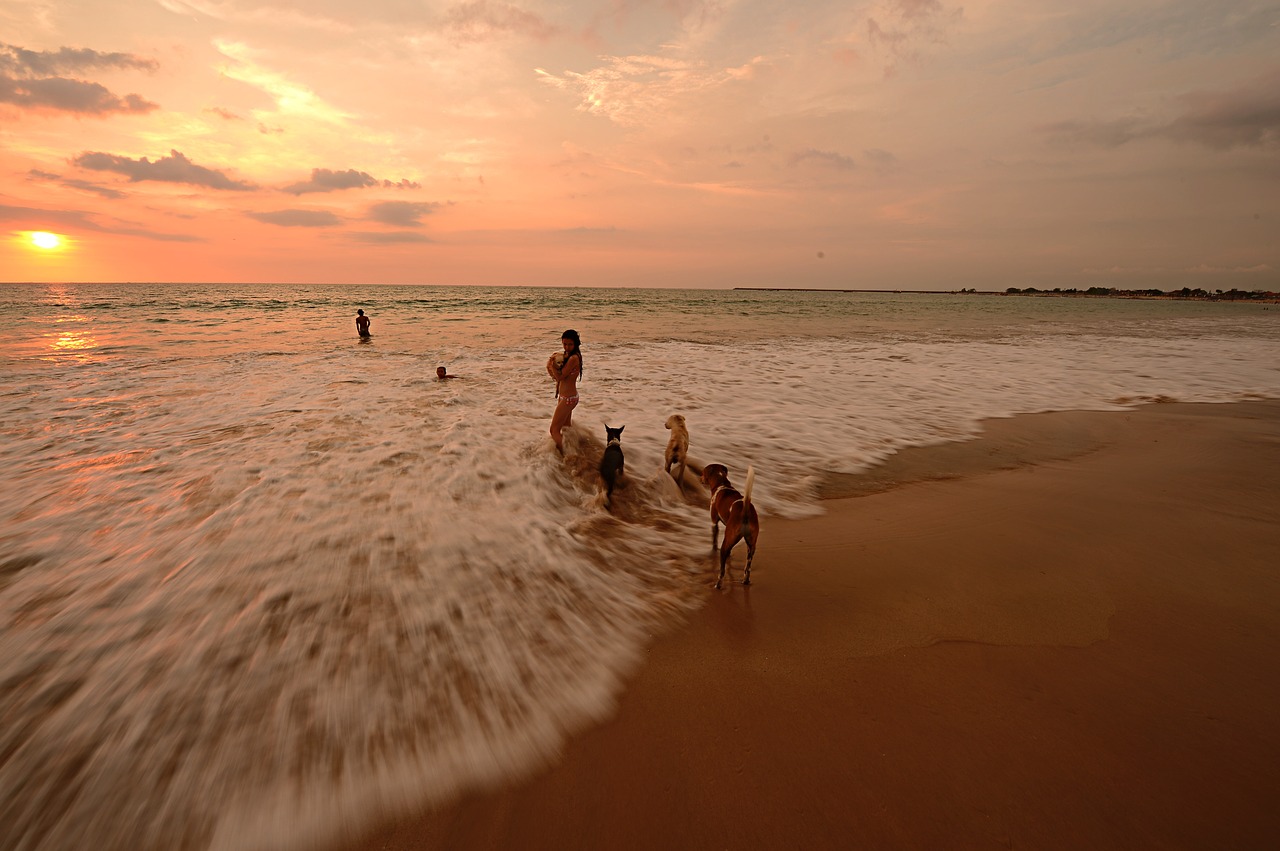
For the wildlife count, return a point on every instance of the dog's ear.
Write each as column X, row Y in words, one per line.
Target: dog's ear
column 620, row 428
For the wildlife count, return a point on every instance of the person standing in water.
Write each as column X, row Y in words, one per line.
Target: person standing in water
column 362, row 324
column 566, row 369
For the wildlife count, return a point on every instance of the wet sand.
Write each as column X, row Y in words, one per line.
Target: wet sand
column 1062, row 635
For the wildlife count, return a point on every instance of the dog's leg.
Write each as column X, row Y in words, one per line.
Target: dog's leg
column 680, row 478
column 725, row 549
column 715, row 535
column 751, row 553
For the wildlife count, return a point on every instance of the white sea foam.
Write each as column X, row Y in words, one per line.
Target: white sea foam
column 263, row 583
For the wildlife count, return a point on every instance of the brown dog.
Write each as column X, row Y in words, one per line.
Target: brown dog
column 677, row 447
column 735, row 511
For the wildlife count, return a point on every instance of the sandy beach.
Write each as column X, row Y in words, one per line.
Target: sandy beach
column 1064, row 634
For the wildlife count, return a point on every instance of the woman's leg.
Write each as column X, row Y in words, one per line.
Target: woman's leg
column 560, row 419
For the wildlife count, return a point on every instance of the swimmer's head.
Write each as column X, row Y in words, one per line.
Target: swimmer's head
column 359, row 313
column 440, row 372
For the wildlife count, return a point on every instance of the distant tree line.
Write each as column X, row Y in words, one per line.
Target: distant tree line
column 1185, row 292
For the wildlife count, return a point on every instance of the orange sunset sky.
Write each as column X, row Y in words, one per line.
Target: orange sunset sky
column 910, row 144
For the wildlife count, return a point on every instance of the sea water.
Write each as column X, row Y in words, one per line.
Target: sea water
column 262, row 582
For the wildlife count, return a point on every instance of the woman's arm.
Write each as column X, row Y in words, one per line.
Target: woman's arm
column 572, row 367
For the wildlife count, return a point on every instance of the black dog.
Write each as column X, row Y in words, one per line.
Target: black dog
column 611, row 462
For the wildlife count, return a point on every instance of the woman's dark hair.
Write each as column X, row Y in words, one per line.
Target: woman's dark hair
column 577, row 343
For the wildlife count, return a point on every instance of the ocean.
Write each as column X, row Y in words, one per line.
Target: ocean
column 262, row 582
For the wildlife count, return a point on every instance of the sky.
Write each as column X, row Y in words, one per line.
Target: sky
column 898, row 144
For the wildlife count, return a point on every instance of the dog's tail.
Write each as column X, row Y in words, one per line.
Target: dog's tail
column 746, row 493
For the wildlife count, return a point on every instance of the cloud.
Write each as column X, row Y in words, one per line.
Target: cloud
column 64, row 95
column 44, row 63
column 260, row 14
column 640, row 90
column 32, row 217
column 298, row 218
column 830, row 159
column 1247, row 116
column 29, row 80
column 327, row 180
column 1201, row 269
column 402, row 213
column 290, row 98
column 225, row 114
column 174, row 168
column 902, row 26
column 481, row 20
column 389, row 238
column 1111, row 133
column 79, row 185
column 95, row 188
column 1206, row 269
column 881, row 160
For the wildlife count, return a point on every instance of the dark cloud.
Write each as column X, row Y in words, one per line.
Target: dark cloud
column 175, row 168
column 831, row 159
column 401, row 213
column 44, row 63
column 481, row 20
column 32, row 79
column 1246, row 117
column 34, row 218
column 224, row 113
column 298, row 218
column 389, row 238
column 66, row 95
column 327, row 180
column 80, row 185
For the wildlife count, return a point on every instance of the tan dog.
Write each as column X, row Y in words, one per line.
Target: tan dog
column 735, row 511
column 677, row 447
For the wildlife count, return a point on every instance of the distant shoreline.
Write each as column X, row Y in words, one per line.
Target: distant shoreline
column 1257, row 296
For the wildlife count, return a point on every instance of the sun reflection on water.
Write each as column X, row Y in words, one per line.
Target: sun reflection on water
column 79, row 343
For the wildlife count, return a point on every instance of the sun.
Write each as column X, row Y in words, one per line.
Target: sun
column 45, row 240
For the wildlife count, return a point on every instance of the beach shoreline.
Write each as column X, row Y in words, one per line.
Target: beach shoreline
column 1074, row 649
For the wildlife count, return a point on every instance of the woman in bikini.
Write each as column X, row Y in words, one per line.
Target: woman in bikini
column 566, row 374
